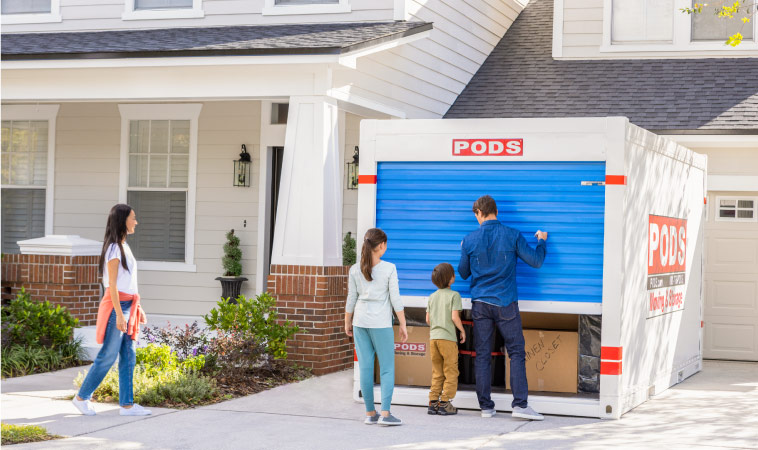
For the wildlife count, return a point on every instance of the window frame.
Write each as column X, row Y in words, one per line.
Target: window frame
column 196, row 12
column 39, row 113
column 682, row 36
column 20, row 18
column 163, row 111
column 270, row 8
column 717, row 206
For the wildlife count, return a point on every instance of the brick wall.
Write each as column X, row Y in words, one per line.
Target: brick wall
column 69, row 281
column 314, row 299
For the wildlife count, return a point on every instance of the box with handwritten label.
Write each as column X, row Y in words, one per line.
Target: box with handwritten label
column 551, row 361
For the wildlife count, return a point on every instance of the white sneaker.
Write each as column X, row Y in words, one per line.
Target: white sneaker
column 527, row 413
column 488, row 412
column 135, row 410
column 83, row 406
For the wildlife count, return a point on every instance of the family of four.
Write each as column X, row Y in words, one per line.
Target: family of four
column 488, row 256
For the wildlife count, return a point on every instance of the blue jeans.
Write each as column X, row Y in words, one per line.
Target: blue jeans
column 379, row 342
column 115, row 344
column 507, row 320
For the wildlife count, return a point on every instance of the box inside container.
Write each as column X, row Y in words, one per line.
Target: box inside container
column 562, row 358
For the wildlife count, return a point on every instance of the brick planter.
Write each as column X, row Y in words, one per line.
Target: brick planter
column 69, row 281
column 313, row 298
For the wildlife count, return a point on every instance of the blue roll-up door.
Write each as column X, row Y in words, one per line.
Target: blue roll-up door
column 425, row 209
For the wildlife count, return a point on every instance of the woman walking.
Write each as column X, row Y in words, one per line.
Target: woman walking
column 372, row 295
column 119, row 316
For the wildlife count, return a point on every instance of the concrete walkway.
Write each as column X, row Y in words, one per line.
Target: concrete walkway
column 717, row 408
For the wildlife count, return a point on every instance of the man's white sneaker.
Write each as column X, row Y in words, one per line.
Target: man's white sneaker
column 527, row 413
column 135, row 410
column 83, row 406
column 488, row 412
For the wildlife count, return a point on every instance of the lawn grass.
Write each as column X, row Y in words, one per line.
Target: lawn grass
column 22, row 434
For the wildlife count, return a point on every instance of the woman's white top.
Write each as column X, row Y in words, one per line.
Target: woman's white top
column 127, row 280
column 372, row 302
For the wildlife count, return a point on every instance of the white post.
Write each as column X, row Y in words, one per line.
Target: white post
column 309, row 215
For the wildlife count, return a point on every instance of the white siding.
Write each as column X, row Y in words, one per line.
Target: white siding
column 583, row 36
column 423, row 78
column 81, row 15
column 87, row 174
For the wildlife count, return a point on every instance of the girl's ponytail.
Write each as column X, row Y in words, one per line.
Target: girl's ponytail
column 371, row 240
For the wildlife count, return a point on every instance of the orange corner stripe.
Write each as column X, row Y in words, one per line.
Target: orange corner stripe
column 615, row 179
column 612, row 353
column 610, row 367
column 366, row 179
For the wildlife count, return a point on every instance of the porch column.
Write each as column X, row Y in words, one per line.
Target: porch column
column 307, row 276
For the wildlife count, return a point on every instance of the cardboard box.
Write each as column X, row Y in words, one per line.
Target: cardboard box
column 551, row 361
column 413, row 360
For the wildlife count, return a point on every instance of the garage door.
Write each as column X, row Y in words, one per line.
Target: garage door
column 425, row 209
column 731, row 278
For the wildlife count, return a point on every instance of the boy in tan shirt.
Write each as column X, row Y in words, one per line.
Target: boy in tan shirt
column 443, row 314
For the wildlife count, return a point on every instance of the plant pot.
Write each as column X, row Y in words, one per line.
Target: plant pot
column 231, row 287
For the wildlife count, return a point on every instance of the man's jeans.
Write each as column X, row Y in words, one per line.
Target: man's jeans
column 507, row 320
column 115, row 344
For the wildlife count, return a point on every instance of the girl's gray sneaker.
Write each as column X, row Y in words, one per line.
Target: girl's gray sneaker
column 527, row 413
column 390, row 420
column 372, row 420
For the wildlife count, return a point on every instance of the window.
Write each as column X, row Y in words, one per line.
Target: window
column 287, row 7
column 162, row 9
column 737, row 209
column 159, row 145
column 707, row 26
column 279, row 112
column 642, row 21
column 30, row 11
column 27, row 173
column 25, row 6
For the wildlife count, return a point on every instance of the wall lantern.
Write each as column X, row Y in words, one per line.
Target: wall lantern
column 352, row 171
column 242, row 169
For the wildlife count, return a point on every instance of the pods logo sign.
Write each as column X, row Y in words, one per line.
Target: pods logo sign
column 666, row 265
column 488, row 147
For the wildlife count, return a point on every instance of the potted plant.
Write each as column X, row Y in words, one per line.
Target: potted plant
column 231, row 282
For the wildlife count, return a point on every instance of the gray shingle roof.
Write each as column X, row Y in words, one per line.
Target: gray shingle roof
column 329, row 38
column 521, row 79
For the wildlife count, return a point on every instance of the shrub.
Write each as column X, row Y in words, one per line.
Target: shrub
column 190, row 340
column 160, row 379
column 232, row 260
column 37, row 323
column 18, row 360
column 235, row 351
column 257, row 316
column 21, row 434
column 348, row 250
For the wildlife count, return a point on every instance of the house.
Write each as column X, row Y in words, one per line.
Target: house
column 150, row 102
column 671, row 74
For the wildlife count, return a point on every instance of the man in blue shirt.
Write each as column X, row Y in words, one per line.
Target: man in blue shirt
column 489, row 255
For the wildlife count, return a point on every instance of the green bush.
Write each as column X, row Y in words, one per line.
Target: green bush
column 256, row 316
column 32, row 324
column 160, row 379
column 348, row 250
column 21, row 434
column 18, row 360
column 232, row 260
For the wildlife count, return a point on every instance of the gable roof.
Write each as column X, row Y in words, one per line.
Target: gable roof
column 298, row 39
column 521, row 79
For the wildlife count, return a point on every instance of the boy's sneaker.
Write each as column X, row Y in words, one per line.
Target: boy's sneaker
column 84, row 406
column 527, row 413
column 446, row 409
column 389, row 420
column 488, row 412
column 433, row 407
column 135, row 410
column 372, row 420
